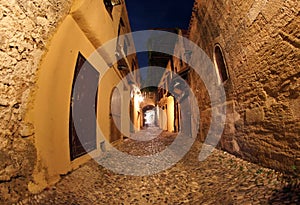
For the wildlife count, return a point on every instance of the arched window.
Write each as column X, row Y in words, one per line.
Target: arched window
column 220, row 63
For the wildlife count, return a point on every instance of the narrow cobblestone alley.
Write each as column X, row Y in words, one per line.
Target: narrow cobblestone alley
column 220, row 179
column 149, row 102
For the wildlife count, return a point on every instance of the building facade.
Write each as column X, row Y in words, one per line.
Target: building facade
column 254, row 46
column 171, row 118
column 51, row 69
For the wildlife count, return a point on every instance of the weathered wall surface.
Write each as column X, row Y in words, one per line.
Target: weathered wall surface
column 261, row 46
column 25, row 28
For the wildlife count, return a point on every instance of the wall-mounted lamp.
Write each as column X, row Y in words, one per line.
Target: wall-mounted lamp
column 111, row 3
column 140, row 98
column 188, row 55
column 178, row 89
column 115, row 2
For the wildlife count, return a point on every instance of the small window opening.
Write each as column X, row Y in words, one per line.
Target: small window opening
column 220, row 63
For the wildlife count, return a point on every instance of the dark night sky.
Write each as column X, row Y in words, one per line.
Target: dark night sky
column 149, row 14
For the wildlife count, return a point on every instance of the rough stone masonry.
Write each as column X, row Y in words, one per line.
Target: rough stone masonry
column 260, row 42
column 25, row 29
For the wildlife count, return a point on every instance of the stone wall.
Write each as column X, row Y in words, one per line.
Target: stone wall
column 25, row 29
column 260, row 40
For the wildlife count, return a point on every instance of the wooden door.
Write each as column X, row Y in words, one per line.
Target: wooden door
column 115, row 115
column 82, row 137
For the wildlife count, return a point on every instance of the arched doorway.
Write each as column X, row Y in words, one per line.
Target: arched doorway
column 115, row 116
column 83, row 105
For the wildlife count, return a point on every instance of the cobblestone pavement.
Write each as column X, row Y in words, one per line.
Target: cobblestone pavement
column 220, row 179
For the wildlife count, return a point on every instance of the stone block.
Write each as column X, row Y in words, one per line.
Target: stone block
column 26, row 130
column 255, row 115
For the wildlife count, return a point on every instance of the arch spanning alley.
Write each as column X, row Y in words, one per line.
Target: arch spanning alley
column 148, row 107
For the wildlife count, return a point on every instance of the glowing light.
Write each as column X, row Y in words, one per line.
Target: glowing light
column 140, row 98
column 149, row 117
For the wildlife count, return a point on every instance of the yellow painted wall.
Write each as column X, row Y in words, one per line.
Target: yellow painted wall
column 137, row 114
column 51, row 107
column 166, row 116
column 88, row 26
column 95, row 21
column 108, row 82
column 170, row 113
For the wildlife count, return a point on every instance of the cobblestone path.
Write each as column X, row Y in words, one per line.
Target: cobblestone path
column 220, row 179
